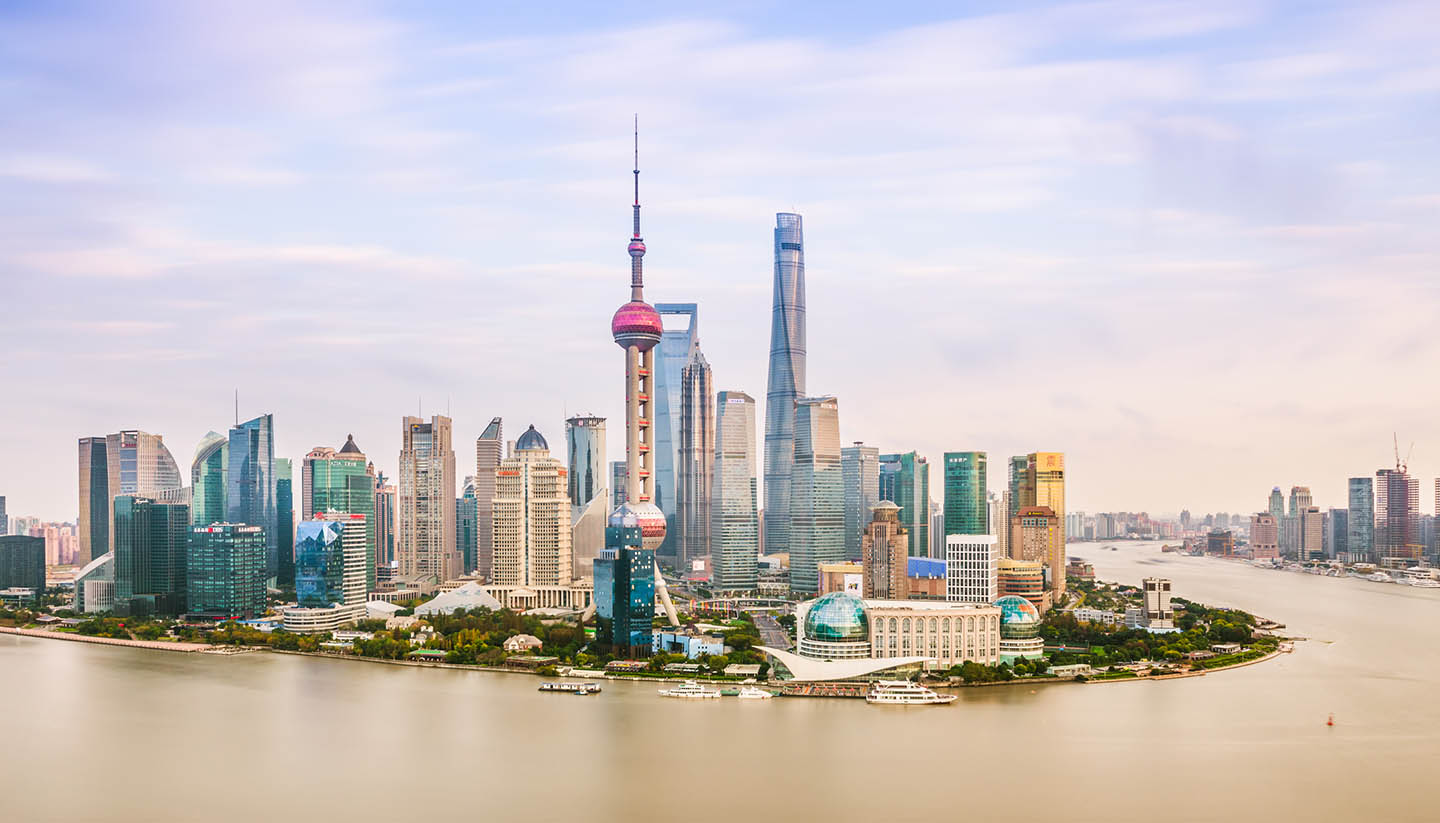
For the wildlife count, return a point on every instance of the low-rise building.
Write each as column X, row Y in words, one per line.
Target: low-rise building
column 691, row 644
column 841, row 577
column 925, row 578
column 522, row 643
column 1087, row 615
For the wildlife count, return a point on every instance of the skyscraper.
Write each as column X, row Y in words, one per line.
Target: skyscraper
column 617, row 483
column 972, row 568
column 489, row 451
column 884, row 554
column 425, row 506
column 905, row 481
column 585, row 446
column 150, row 549
column 384, row 522
column 1397, row 517
column 1000, row 522
column 226, row 571
column 465, row 536
column 94, row 519
column 626, row 577
column 1337, row 533
column 285, row 519
column 967, row 510
column 532, row 516
column 734, row 516
column 786, row 379
column 1360, row 522
column 1041, row 482
column 1264, row 536
column 22, row 563
column 250, row 483
column 136, row 463
column 696, row 456
column 677, row 347
column 4, row 518
column 207, row 479
column 343, row 482
column 860, row 475
column 817, row 502
column 330, row 552
column 1312, row 533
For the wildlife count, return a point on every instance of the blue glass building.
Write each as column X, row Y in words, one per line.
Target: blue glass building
column 250, row 483
column 226, row 565
column 150, row 555
column 320, row 563
column 677, row 346
column 625, row 591
column 785, row 382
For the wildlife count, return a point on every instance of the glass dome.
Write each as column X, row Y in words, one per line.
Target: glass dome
column 837, row 617
column 531, row 440
column 1019, row 619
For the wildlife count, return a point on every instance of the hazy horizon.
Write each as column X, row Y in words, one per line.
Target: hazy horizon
column 1191, row 247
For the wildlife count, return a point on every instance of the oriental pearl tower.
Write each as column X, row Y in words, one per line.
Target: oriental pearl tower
column 636, row 328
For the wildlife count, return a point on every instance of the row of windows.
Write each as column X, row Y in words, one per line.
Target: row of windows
column 935, row 624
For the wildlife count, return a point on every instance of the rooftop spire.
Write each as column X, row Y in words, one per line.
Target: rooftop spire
column 637, row 245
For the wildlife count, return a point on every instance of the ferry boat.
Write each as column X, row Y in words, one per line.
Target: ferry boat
column 905, row 693
column 691, row 689
column 571, row 688
column 754, row 693
column 1379, row 577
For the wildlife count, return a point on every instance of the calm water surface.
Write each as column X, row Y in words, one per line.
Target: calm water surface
column 95, row 733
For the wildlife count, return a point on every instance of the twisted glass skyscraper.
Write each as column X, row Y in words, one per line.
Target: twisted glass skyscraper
column 786, row 381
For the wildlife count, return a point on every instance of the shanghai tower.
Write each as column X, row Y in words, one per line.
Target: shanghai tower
column 786, row 381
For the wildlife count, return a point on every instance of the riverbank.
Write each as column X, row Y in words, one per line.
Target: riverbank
column 154, row 645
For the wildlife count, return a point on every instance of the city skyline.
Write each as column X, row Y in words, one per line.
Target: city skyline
column 1130, row 306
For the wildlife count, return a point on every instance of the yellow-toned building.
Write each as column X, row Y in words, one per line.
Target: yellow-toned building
column 532, row 536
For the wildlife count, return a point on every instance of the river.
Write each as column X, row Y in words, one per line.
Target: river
column 115, row 734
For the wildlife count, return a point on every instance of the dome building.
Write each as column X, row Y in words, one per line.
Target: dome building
column 834, row 627
column 1019, row 629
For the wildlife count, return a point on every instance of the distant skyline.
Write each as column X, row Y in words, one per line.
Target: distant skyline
column 1190, row 246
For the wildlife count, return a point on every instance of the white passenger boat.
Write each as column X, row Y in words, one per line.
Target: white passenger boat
column 754, row 693
column 571, row 688
column 691, row 689
column 905, row 693
column 1379, row 577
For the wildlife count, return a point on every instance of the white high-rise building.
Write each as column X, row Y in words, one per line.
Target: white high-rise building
column 532, row 517
column 734, row 518
column 972, row 568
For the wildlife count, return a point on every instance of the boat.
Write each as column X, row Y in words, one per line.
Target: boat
column 571, row 688
column 1426, row 584
column 905, row 693
column 1379, row 577
column 754, row 693
column 691, row 689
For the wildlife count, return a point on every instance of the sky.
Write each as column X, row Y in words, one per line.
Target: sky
column 1191, row 245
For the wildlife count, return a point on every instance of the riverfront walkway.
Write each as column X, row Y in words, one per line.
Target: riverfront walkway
column 157, row 645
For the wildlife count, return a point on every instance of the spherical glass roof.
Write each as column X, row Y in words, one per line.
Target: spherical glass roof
column 837, row 617
column 531, row 440
column 1019, row 619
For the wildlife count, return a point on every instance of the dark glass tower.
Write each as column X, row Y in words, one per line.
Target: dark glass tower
column 967, row 508
column 250, row 483
column 285, row 519
column 625, row 589
column 226, row 565
column 150, row 550
column 786, row 380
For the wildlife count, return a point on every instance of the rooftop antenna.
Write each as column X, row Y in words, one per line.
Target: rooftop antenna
column 237, row 407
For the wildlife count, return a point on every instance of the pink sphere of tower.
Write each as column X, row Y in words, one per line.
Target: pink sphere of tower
column 636, row 324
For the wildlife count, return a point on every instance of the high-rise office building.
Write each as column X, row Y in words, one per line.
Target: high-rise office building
column 626, row 577
column 785, row 382
column 489, row 451
column 1397, row 517
column 1312, row 534
column 207, row 479
column 1264, row 536
column 1277, row 504
column 1021, row 578
column 330, row 552
column 884, row 555
column 342, row 481
column 1337, row 533
column 734, row 513
column 967, row 509
column 465, row 536
column 1033, row 533
column 1299, row 500
column 385, row 522
column 696, row 457
column 22, row 563
column 677, row 347
column 617, row 483
column 425, row 505
column 1000, row 521
column 817, row 502
column 1360, row 520
column 285, row 519
column 226, row 571
column 150, row 550
column 532, row 517
column 128, row 462
column 972, row 568
column 860, row 475
column 585, row 447
column 905, row 481
column 1041, row 482
column 4, row 518
column 250, row 483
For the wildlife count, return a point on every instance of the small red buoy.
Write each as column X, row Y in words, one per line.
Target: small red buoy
column 1330, row 721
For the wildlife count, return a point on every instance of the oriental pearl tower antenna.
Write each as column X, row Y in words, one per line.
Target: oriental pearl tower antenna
column 636, row 328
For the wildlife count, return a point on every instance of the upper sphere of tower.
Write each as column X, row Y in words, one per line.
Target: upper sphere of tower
column 637, row 248
column 636, row 324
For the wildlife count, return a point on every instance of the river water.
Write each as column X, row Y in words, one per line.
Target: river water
column 114, row 734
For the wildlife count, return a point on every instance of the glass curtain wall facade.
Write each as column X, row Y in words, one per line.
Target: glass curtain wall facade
column 226, row 571
column 330, row 561
column 625, row 592
column 250, row 483
column 734, row 516
column 285, row 519
column 1397, row 517
column 967, row 509
column 785, row 382
column 137, row 463
column 465, row 536
column 905, row 481
column 677, row 347
column 94, row 519
column 207, row 479
column 489, row 451
column 697, row 454
column 817, row 510
column 860, row 473
column 22, row 562
column 342, row 481
column 585, row 447
column 150, row 550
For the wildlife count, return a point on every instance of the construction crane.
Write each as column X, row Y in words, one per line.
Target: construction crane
column 1402, row 466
